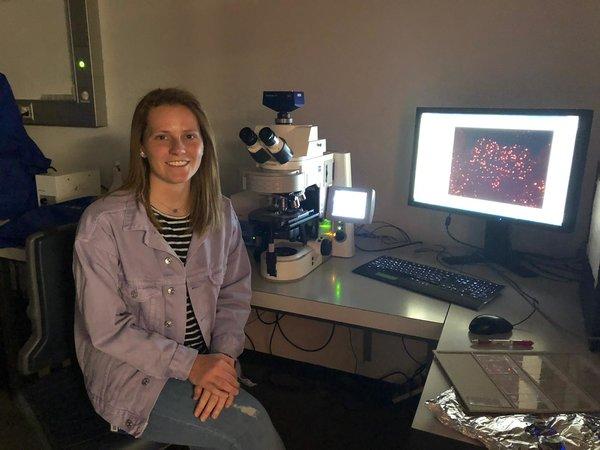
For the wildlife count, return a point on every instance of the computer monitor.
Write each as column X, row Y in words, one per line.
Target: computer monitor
column 504, row 165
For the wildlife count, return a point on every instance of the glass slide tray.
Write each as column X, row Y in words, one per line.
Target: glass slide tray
column 523, row 382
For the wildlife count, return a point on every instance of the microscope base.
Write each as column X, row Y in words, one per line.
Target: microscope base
column 293, row 267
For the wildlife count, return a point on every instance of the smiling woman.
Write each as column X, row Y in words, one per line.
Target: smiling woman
column 173, row 147
column 173, row 161
column 160, row 359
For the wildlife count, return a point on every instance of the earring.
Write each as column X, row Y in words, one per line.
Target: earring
column 142, row 154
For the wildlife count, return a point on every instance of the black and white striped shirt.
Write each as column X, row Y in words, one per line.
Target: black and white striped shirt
column 177, row 232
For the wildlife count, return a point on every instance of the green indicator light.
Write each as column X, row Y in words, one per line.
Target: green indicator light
column 81, row 64
column 325, row 226
column 338, row 291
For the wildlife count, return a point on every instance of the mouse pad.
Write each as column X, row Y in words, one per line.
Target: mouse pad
column 528, row 382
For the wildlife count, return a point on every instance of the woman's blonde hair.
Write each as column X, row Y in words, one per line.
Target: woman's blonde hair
column 205, row 185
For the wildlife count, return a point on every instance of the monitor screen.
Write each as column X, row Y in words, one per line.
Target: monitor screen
column 352, row 205
column 521, row 165
column 349, row 204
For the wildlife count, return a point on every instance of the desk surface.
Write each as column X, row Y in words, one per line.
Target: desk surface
column 558, row 300
column 332, row 292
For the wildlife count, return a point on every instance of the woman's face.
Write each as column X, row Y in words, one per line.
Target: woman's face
column 173, row 144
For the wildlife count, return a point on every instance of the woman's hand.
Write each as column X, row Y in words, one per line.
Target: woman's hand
column 209, row 404
column 216, row 374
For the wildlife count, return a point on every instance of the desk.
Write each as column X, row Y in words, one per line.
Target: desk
column 333, row 293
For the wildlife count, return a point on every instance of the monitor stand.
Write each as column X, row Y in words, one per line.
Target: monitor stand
column 496, row 249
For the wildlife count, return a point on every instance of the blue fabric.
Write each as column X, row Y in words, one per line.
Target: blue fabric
column 20, row 158
column 15, row 232
column 243, row 426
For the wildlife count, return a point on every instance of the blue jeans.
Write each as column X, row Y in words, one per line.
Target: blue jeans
column 243, row 426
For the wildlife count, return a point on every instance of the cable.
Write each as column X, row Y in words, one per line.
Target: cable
column 447, row 223
column 264, row 321
column 544, row 267
column 533, row 302
column 550, row 257
column 408, row 353
column 551, row 275
column 528, row 316
column 275, row 323
column 353, row 351
column 277, row 326
column 528, row 298
column 387, row 248
column 390, row 242
column 371, row 233
column 421, row 368
column 395, row 372
column 255, row 319
column 251, row 342
column 310, row 350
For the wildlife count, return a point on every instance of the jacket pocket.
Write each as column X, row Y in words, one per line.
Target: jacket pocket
column 141, row 300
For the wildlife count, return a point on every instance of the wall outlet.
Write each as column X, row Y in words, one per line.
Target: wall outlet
column 26, row 111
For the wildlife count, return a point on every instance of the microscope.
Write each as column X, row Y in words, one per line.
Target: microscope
column 283, row 207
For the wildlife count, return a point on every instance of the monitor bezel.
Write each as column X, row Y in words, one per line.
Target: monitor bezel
column 577, row 167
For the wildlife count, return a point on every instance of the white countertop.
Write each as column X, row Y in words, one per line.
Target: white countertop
column 333, row 292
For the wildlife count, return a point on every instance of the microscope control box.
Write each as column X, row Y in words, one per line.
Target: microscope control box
column 59, row 187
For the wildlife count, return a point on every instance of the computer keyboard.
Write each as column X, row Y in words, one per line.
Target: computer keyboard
column 452, row 287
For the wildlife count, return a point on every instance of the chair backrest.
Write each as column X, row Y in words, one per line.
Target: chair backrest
column 51, row 292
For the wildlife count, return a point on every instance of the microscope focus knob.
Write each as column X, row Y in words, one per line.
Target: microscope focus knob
column 326, row 247
column 340, row 235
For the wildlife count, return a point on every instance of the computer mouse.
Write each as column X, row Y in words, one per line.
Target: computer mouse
column 488, row 324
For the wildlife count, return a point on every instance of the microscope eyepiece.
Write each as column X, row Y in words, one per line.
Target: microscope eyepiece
column 248, row 136
column 258, row 153
column 276, row 146
column 268, row 137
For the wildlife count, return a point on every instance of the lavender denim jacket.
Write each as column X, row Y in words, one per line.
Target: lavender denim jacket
column 131, row 305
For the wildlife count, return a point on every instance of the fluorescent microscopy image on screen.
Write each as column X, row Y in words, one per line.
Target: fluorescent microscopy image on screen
column 508, row 166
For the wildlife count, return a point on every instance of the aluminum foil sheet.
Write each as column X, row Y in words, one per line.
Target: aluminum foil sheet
column 519, row 431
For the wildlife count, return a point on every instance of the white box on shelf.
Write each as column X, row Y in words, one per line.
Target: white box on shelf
column 59, row 187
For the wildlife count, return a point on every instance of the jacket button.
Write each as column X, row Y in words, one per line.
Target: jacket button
column 168, row 323
column 171, row 291
column 168, row 260
column 128, row 423
column 134, row 294
column 145, row 381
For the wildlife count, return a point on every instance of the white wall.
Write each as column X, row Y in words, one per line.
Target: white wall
column 364, row 67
